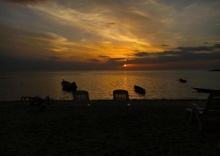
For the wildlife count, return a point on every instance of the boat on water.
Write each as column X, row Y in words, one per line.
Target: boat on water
column 182, row 80
column 205, row 90
column 68, row 86
column 214, row 70
column 139, row 89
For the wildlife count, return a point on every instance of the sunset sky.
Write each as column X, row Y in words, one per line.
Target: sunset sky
column 106, row 34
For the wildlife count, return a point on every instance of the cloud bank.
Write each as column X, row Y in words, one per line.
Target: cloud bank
column 26, row 2
column 98, row 34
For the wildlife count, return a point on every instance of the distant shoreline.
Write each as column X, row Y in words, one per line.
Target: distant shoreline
column 214, row 70
column 109, row 100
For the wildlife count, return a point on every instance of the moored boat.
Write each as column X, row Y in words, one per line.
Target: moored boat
column 182, row 80
column 205, row 90
column 214, row 70
column 139, row 89
column 69, row 86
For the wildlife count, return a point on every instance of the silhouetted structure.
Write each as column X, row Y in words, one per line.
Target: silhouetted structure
column 81, row 97
column 68, row 86
column 121, row 96
column 210, row 111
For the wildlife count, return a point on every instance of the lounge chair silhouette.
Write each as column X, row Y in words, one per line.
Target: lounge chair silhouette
column 81, row 97
column 37, row 100
column 121, row 96
column 210, row 111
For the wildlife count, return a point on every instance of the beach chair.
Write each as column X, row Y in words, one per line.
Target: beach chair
column 81, row 97
column 37, row 100
column 121, row 97
column 210, row 111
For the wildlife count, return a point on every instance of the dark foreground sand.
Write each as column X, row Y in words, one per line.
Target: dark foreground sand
column 150, row 127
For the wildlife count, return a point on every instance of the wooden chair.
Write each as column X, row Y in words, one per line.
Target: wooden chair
column 210, row 111
column 121, row 96
column 81, row 97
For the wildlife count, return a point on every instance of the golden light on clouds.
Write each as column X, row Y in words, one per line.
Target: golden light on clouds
column 116, row 32
column 119, row 37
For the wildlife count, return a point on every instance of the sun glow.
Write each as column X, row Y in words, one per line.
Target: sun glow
column 125, row 65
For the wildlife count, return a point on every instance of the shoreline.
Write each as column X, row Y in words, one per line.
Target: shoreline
column 193, row 99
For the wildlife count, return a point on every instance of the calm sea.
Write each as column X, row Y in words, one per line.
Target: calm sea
column 100, row 84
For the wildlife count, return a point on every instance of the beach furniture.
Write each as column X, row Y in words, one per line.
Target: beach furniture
column 121, row 96
column 81, row 97
column 25, row 98
column 39, row 100
column 36, row 100
column 218, row 145
column 210, row 111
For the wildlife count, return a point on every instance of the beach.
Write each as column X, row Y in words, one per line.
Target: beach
column 146, row 127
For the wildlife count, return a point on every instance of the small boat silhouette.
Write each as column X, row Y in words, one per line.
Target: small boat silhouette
column 205, row 90
column 182, row 80
column 68, row 86
column 139, row 89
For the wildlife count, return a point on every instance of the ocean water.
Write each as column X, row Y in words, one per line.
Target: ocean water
column 100, row 84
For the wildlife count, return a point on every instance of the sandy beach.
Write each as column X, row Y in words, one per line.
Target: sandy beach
column 147, row 127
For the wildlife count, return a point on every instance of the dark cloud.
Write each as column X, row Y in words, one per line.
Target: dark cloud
column 24, row 43
column 114, row 60
column 142, row 54
column 160, row 60
column 110, row 24
column 14, row 63
column 217, row 46
column 165, row 45
column 184, row 54
column 201, row 48
column 93, row 60
column 181, row 58
column 54, row 58
column 26, row 2
column 23, row 50
column 102, row 56
column 38, row 57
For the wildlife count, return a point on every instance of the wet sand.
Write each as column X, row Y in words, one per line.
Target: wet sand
column 147, row 127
